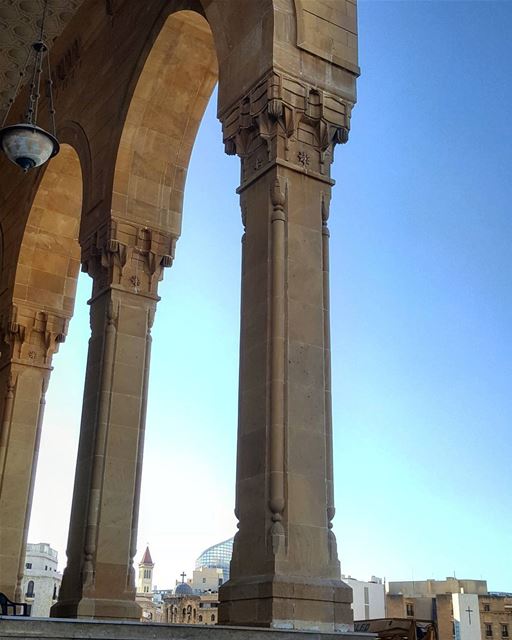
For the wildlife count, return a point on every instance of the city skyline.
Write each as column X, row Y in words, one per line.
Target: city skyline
column 421, row 308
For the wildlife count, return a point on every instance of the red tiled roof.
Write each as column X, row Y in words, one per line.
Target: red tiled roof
column 146, row 558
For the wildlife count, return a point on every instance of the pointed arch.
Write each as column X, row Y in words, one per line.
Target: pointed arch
column 49, row 258
column 165, row 111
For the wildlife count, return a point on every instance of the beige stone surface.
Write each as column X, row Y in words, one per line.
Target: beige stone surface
column 34, row 320
column 82, row 630
column 132, row 85
column 201, row 609
column 423, row 597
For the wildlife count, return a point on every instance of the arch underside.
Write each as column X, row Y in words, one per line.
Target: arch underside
column 166, row 109
column 49, row 259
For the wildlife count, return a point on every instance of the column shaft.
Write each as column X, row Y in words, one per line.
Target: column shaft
column 99, row 580
column 31, row 337
column 285, row 570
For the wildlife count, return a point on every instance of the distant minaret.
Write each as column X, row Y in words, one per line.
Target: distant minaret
column 145, row 581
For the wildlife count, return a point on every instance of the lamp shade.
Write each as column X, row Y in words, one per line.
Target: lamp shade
column 28, row 146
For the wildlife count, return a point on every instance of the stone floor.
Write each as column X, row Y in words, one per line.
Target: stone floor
column 54, row 629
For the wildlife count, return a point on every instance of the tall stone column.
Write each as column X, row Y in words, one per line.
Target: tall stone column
column 126, row 262
column 285, row 570
column 30, row 337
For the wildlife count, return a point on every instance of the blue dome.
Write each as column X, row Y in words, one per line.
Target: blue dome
column 183, row 589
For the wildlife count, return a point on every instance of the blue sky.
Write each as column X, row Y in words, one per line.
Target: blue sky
column 421, row 267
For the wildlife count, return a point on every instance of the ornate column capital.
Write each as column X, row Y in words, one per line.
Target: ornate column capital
column 286, row 121
column 31, row 336
column 125, row 256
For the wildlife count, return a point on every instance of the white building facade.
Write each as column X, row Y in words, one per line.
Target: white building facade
column 41, row 580
column 466, row 616
column 369, row 598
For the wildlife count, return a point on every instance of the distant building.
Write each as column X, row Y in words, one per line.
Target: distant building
column 217, row 557
column 189, row 608
column 207, row 579
column 41, row 579
column 194, row 601
column 496, row 615
column 151, row 606
column 462, row 609
column 145, row 577
column 369, row 599
column 433, row 587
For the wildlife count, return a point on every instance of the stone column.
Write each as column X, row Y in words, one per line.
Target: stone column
column 285, row 570
column 30, row 337
column 126, row 262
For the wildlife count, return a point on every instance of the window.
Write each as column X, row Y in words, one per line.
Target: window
column 366, row 603
column 204, row 580
column 487, row 607
column 54, row 596
column 28, row 565
column 409, row 609
column 30, row 589
column 200, row 618
column 213, row 617
column 504, row 630
column 488, row 630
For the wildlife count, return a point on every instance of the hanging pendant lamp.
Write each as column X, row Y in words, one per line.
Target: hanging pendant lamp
column 26, row 144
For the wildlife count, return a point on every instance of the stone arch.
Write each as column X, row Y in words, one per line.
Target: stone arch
column 244, row 35
column 165, row 111
column 42, row 283
column 72, row 133
column 49, row 258
column 284, row 105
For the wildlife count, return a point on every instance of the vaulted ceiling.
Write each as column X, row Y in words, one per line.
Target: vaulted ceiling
column 20, row 22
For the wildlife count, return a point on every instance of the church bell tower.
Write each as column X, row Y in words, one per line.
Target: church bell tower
column 145, row 579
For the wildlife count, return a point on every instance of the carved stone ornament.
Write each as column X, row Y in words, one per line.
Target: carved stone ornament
column 31, row 336
column 20, row 25
column 127, row 256
column 283, row 119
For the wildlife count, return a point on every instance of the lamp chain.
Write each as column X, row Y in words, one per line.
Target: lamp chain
column 40, row 48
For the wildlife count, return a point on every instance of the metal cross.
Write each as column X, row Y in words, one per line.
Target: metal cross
column 183, row 577
column 470, row 611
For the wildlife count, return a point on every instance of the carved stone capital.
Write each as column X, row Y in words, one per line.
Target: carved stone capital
column 128, row 257
column 31, row 336
column 285, row 119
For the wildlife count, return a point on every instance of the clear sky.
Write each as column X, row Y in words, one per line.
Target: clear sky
column 421, row 272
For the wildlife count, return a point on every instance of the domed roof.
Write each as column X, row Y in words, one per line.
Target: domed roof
column 183, row 589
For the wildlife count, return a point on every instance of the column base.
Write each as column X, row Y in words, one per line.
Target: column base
column 287, row 602
column 97, row 609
